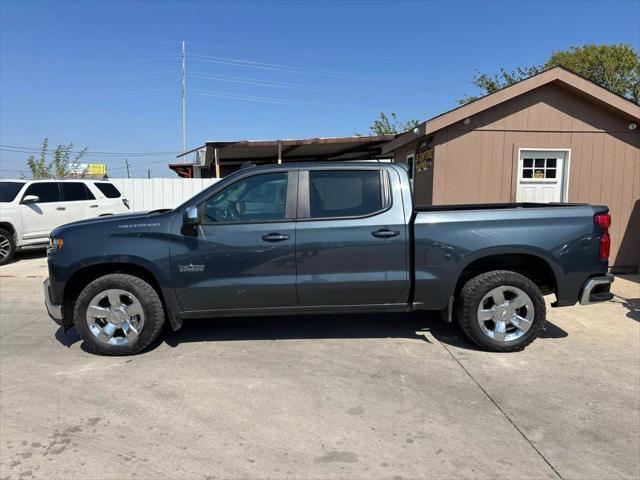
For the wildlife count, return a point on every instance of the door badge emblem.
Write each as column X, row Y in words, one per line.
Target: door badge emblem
column 191, row 268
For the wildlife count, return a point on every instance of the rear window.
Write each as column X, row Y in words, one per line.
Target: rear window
column 108, row 190
column 344, row 193
column 9, row 190
column 45, row 191
column 74, row 191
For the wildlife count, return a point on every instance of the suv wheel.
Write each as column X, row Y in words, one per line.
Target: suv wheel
column 501, row 311
column 118, row 314
column 7, row 246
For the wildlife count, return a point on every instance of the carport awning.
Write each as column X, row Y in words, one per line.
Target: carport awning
column 300, row 150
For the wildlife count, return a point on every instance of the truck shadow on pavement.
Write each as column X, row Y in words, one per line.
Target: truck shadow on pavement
column 631, row 304
column 417, row 326
column 28, row 255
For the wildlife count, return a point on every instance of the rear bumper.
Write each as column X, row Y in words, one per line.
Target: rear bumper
column 597, row 289
column 54, row 310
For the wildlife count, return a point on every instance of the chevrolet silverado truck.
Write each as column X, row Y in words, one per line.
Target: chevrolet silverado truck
column 313, row 238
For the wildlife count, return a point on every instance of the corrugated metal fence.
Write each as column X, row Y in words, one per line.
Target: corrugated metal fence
column 150, row 194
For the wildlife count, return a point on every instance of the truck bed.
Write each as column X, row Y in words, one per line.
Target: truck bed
column 449, row 238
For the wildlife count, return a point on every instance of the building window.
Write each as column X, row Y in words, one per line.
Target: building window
column 539, row 168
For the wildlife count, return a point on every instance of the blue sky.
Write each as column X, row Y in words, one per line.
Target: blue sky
column 106, row 75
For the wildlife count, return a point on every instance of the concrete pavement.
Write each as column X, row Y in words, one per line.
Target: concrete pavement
column 365, row 396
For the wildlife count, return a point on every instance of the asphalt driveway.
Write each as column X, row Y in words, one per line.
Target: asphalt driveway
column 360, row 396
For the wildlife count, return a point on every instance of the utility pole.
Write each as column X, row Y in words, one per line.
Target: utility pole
column 184, row 97
column 126, row 162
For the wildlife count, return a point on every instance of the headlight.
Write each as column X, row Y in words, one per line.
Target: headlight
column 55, row 244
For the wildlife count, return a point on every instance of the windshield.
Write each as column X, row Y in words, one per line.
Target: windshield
column 9, row 190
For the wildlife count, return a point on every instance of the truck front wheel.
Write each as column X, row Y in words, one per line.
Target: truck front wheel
column 118, row 314
column 7, row 246
column 501, row 311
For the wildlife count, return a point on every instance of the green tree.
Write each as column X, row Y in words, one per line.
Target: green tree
column 63, row 161
column 614, row 67
column 385, row 125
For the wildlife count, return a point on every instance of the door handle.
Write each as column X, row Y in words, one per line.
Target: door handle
column 93, row 206
column 61, row 208
column 275, row 237
column 385, row 233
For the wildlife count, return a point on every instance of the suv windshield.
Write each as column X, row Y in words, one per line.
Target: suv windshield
column 9, row 190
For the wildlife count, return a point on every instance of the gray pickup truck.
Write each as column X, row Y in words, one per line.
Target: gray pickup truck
column 324, row 238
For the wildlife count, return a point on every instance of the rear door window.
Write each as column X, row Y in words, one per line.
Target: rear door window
column 46, row 191
column 345, row 193
column 108, row 190
column 75, row 191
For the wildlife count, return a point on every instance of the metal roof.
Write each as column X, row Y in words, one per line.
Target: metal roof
column 291, row 150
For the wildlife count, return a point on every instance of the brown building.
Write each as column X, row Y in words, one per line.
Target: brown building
column 555, row 137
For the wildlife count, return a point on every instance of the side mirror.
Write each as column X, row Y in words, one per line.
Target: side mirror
column 30, row 199
column 191, row 216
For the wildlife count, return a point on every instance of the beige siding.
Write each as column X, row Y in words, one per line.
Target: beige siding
column 477, row 163
column 422, row 195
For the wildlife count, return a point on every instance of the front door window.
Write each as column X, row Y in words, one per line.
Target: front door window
column 260, row 198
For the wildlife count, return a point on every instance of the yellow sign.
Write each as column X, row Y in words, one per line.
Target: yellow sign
column 88, row 169
column 96, row 169
column 424, row 155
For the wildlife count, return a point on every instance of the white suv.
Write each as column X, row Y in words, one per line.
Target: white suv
column 30, row 209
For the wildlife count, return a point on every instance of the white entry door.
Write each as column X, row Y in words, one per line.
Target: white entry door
column 541, row 176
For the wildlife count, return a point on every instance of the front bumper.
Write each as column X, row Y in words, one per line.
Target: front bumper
column 597, row 289
column 54, row 311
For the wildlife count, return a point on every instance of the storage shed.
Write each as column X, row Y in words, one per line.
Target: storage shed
column 555, row 137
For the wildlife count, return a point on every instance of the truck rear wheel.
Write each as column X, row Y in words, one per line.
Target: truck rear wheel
column 7, row 246
column 118, row 314
column 501, row 311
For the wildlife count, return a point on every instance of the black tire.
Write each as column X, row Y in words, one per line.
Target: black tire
column 468, row 302
column 7, row 236
column 148, row 298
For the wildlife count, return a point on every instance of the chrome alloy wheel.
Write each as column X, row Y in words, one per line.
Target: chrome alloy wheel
column 5, row 247
column 505, row 313
column 115, row 317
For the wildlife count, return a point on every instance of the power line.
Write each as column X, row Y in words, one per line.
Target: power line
column 136, row 94
column 269, row 83
column 290, row 53
column 92, row 153
column 281, row 101
column 286, row 85
column 129, row 60
column 292, row 68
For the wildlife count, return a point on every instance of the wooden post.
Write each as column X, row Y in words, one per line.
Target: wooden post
column 217, row 162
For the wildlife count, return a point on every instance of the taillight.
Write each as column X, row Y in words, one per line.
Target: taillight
column 603, row 220
column 605, row 246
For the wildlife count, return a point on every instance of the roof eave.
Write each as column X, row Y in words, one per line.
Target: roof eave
column 557, row 74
